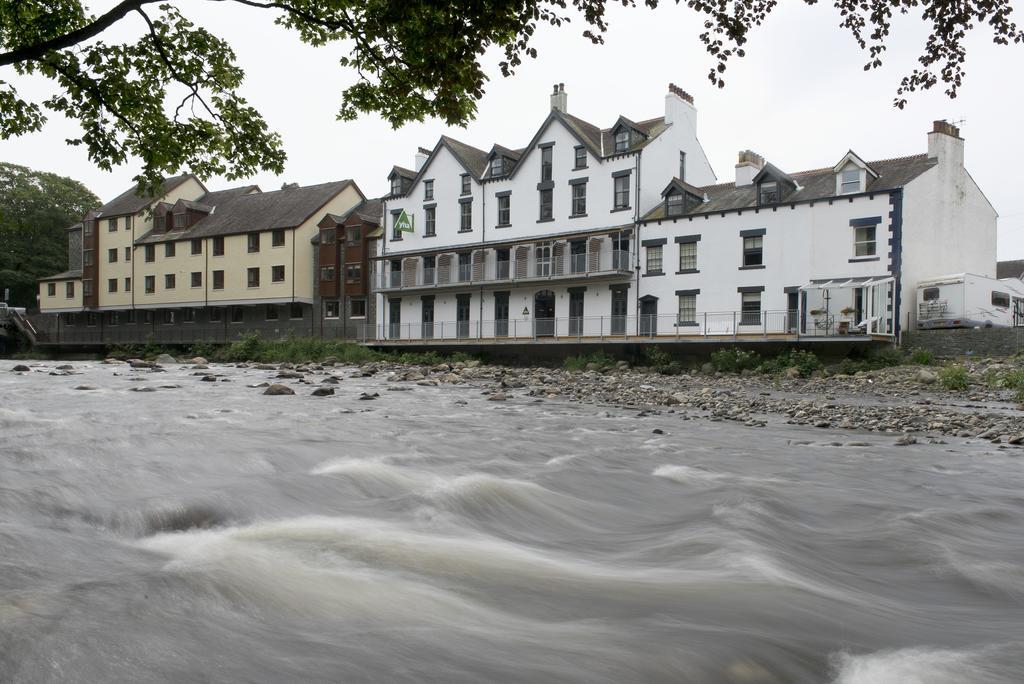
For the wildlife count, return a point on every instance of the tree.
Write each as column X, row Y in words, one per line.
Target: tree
column 35, row 210
column 171, row 97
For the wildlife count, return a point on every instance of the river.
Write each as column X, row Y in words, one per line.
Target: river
column 203, row 532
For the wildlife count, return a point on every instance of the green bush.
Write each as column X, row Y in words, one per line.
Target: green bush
column 578, row 363
column 921, row 357
column 953, row 377
column 734, row 360
column 869, row 360
column 804, row 360
column 1014, row 379
column 662, row 362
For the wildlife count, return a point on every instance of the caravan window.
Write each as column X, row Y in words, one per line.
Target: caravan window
column 930, row 294
column 1000, row 299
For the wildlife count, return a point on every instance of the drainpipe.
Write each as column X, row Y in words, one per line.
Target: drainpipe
column 636, row 231
column 483, row 240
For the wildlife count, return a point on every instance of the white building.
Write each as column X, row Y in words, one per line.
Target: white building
column 614, row 233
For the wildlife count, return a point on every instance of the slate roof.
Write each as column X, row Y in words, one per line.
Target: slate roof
column 1010, row 269
column 813, row 184
column 130, row 202
column 66, row 275
column 601, row 141
column 403, row 172
column 370, row 211
column 74, row 226
column 474, row 159
column 220, row 196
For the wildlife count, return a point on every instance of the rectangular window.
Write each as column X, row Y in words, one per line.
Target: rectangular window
column 113, row 318
column 465, row 267
column 750, row 311
column 179, row 221
column 353, row 273
column 253, row 242
column 327, row 273
column 396, row 185
column 850, row 181
column 87, row 257
column 429, row 270
column 86, row 288
column 864, row 241
column 271, row 312
column 87, row 228
column 465, row 217
column 579, row 199
column 542, row 258
column 497, row 166
column 197, row 278
column 682, row 165
column 428, row 190
column 169, row 281
column 277, row 238
column 168, row 250
column 215, row 315
column 358, row 308
column 237, row 314
column 127, row 284
column 753, row 251
column 687, row 309
column 51, row 289
column 546, row 206
column 768, row 192
column 430, row 226
column 295, row 312
column 1001, row 299
column 621, row 140
column 112, row 225
column 112, row 256
column 505, row 210
column 188, row 315
column 331, row 308
column 168, row 315
column 622, row 192
column 674, row 204
column 466, row 185
column 197, row 247
column 112, row 285
column 545, row 163
column 127, row 253
column 150, row 253
column 687, row 256
column 277, row 274
column 69, row 290
column 355, row 234
column 252, row 277
column 147, row 317
column 150, row 284
column 654, row 258
column 396, row 234
column 131, row 316
column 327, row 236
column 218, row 246
column 218, row 280
column 580, row 157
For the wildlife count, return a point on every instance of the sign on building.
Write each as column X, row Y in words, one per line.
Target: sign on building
column 404, row 224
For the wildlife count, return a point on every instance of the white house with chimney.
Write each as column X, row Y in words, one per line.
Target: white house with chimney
column 593, row 233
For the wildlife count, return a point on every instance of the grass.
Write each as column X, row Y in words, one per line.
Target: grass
column 953, row 377
column 580, row 362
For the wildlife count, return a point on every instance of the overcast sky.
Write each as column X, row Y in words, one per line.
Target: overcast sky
column 800, row 98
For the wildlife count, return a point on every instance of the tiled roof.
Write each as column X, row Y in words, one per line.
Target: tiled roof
column 475, row 160
column 1010, row 269
column 130, row 202
column 403, row 172
column 66, row 275
column 218, row 197
column 814, row 184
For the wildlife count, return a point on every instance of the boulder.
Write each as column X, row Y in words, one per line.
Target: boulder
column 143, row 389
column 20, row 368
column 139, row 363
column 926, row 377
column 86, row 387
column 208, row 378
column 368, row 397
column 497, row 396
column 791, row 373
column 906, row 440
column 265, row 366
column 707, row 368
column 330, row 380
column 65, row 366
column 278, row 390
column 289, row 375
column 323, row 391
column 165, row 358
column 198, row 361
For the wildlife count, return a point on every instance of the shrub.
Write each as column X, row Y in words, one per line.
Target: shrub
column 734, row 360
column 804, row 360
column 1014, row 379
column 580, row 362
column 921, row 357
column 662, row 362
column 953, row 377
column 869, row 360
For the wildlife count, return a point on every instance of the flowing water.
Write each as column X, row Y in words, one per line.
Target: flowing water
column 207, row 533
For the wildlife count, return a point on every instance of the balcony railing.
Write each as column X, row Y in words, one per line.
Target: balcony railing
column 564, row 267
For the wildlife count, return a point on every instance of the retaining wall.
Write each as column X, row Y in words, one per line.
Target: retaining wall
column 967, row 341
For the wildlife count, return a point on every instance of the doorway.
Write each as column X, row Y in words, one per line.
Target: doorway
column 428, row 316
column 576, row 311
column 462, row 314
column 792, row 312
column 501, row 314
column 649, row 316
column 394, row 319
column 620, row 306
column 544, row 314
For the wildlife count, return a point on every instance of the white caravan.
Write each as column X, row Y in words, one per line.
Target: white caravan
column 964, row 300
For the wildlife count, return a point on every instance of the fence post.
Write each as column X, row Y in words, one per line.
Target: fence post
column 764, row 322
column 735, row 329
column 601, row 331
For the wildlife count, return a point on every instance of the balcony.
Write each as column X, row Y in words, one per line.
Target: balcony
column 607, row 264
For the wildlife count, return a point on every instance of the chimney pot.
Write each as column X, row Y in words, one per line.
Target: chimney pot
column 680, row 93
column 945, row 127
column 559, row 98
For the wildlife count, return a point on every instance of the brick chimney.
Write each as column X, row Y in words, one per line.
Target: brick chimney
column 747, row 166
column 559, row 99
column 421, row 157
column 945, row 143
column 679, row 106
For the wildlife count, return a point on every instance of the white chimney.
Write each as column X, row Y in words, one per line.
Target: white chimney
column 945, row 144
column 421, row 158
column 679, row 106
column 559, row 100
column 748, row 166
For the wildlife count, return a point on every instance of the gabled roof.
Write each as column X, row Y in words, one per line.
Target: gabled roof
column 130, row 202
column 66, row 275
column 814, row 184
column 774, row 173
column 497, row 149
column 401, row 171
column 474, row 160
column 683, row 186
column 183, row 204
column 852, row 157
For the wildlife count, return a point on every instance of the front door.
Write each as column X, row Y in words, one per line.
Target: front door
column 501, row 314
column 544, row 314
column 576, row 312
column 428, row 317
column 462, row 314
column 394, row 318
column 620, row 306
column 792, row 311
column 649, row 316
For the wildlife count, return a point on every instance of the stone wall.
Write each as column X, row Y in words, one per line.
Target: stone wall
column 967, row 341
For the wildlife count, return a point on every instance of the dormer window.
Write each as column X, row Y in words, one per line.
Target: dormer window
column 850, row 181
column 768, row 192
column 497, row 166
column 179, row 221
column 396, row 185
column 674, row 204
column 622, row 140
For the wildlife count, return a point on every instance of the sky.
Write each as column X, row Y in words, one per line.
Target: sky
column 800, row 98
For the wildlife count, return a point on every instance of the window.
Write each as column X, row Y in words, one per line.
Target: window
column 849, row 181
column 674, row 204
column 545, row 163
column 168, row 316
column 396, row 185
column 465, row 217
column 218, row 280
column 428, row 190
column 168, row 250
column 87, row 288
column 654, row 254
column 622, row 192
column 768, row 192
column 682, row 165
column 113, row 318
column 253, row 242
column 353, row 273
column 864, row 241
column 91, row 318
column 147, row 317
column 580, row 157
column 429, row 269
column 277, row 273
column 237, row 314
column 687, row 309
column 127, row 253
column 131, row 316
column 69, row 319
column 295, row 311
column 51, row 289
column 579, row 199
column 112, row 285
column 87, row 228
column 69, row 290
column 505, row 210
column 465, row 267
column 750, row 308
column 252, row 277
column 150, row 284
column 930, row 294
column 358, row 308
column 215, row 315
column 497, row 166
column 543, row 257
column 1001, row 299
column 355, row 234
column 277, row 238
column 331, row 308
column 127, row 284
column 466, row 187
column 430, row 227
column 327, row 273
column 753, row 251
column 687, row 256
column 546, row 208
column 169, row 281
column 112, row 225
column 197, row 247
column 396, row 234
column 271, row 312
column 87, row 257
column 218, row 246
column 197, row 278
column 188, row 315
column 150, row 253
column 622, row 140
column 327, row 236
column 179, row 221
